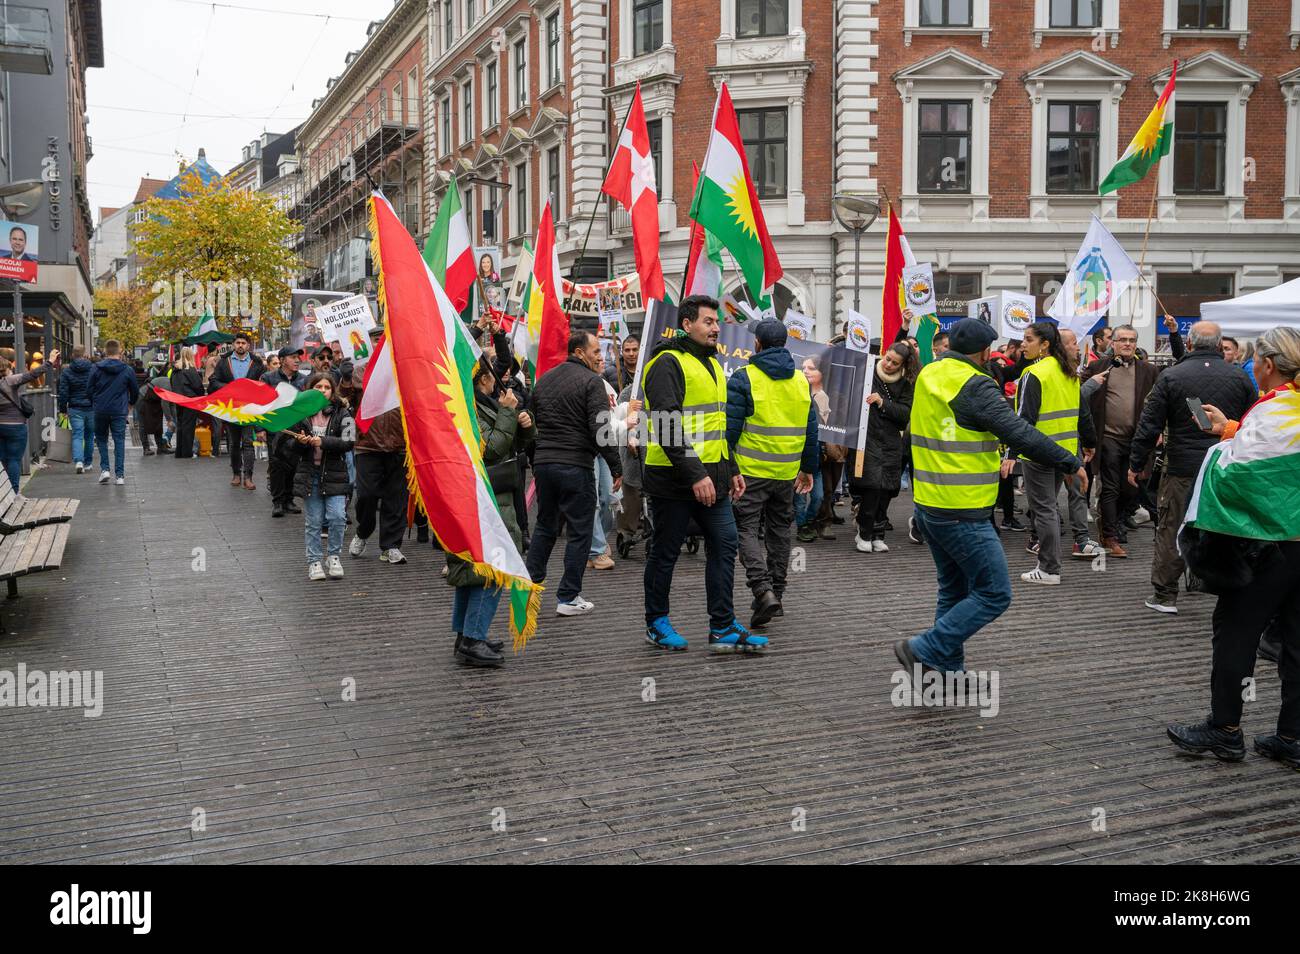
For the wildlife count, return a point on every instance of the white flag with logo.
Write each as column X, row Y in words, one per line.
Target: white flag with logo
column 1100, row 274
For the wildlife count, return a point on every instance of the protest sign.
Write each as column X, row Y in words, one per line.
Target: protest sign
column 857, row 332
column 798, row 325
column 338, row 318
column 918, row 289
column 1017, row 311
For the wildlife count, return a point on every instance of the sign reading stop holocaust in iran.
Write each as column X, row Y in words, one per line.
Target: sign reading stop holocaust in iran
column 339, row 318
column 18, row 251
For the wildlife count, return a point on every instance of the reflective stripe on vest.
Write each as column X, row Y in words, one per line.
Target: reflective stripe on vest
column 952, row 468
column 704, row 413
column 1058, row 409
column 771, row 444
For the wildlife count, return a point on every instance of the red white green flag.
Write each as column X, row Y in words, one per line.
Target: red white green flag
column 244, row 401
column 447, row 249
column 432, row 360
column 1153, row 141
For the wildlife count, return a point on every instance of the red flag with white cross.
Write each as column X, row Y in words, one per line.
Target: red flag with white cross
column 631, row 183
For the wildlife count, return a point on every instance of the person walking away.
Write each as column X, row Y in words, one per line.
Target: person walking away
column 690, row 475
column 281, row 459
column 113, row 391
column 506, row 431
column 381, row 494
column 239, row 363
column 321, row 477
column 150, row 408
column 959, row 417
column 1048, row 399
column 882, row 469
column 187, row 380
column 1265, row 439
column 1115, row 406
column 14, row 412
column 570, row 411
column 1205, row 375
column 772, row 434
column 74, row 401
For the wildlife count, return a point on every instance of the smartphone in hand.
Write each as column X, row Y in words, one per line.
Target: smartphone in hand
column 1198, row 414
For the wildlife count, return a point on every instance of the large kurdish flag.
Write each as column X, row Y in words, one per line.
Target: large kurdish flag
column 726, row 203
column 432, row 360
column 1250, row 486
column 244, row 401
column 1153, row 141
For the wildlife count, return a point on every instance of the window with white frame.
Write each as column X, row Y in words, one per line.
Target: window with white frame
column 444, row 118
column 553, row 180
column 945, row 16
column 448, row 25
column 1100, row 18
column 1073, row 147
column 1203, row 14
column 762, row 18
column 945, row 13
column 471, row 14
column 466, row 111
column 764, row 134
column 520, row 224
column 655, row 133
column 943, row 143
column 1200, row 148
column 1074, row 14
column 490, row 95
column 519, row 61
column 554, row 53
column 647, row 26
column 1221, row 17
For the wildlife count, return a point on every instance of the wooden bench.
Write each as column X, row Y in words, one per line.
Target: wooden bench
column 23, row 513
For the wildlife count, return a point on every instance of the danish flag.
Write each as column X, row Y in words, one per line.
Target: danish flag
column 631, row 183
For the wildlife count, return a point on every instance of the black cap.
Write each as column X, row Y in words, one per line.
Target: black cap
column 289, row 353
column 323, row 349
column 770, row 333
column 971, row 336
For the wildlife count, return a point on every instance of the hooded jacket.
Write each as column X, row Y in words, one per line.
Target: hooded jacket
column 113, row 387
column 664, row 390
column 74, row 385
column 777, row 364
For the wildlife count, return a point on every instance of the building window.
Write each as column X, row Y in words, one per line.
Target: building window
column 954, row 290
column 470, row 14
column 647, row 26
column 467, row 112
column 444, row 113
column 943, row 147
column 764, row 133
column 762, row 18
column 1072, row 147
column 949, row 13
column 520, row 224
column 553, row 49
column 490, row 82
column 553, row 179
column 1202, row 14
column 1075, row 14
column 396, row 105
column 655, row 130
column 1200, row 148
column 521, row 74
column 448, row 26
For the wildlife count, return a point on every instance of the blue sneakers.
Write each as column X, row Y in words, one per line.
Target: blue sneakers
column 736, row 639
column 662, row 634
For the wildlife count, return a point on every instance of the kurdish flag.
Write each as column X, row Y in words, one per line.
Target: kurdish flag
column 1249, row 486
column 548, row 325
column 1153, row 141
column 447, row 249
column 244, row 401
column 726, row 203
column 898, row 255
column 432, row 360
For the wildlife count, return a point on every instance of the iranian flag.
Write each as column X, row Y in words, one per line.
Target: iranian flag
column 704, row 262
column 631, row 182
column 447, row 249
column 726, row 203
column 244, row 401
column 205, row 330
column 1153, row 141
column 1249, row 486
column 548, row 325
column 432, row 359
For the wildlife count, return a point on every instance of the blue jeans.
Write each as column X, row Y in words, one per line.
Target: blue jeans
column 319, row 510
column 807, row 505
column 83, row 435
column 672, row 519
column 604, row 503
column 974, row 588
column 116, row 424
column 472, row 609
column 13, row 445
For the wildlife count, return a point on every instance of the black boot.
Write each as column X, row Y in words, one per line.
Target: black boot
column 476, row 652
column 495, row 645
column 765, row 605
column 1226, row 744
column 422, row 533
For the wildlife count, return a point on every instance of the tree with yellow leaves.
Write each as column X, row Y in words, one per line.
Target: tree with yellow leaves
column 218, row 250
column 129, row 319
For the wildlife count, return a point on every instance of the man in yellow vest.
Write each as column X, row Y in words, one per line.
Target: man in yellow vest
column 690, row 477
column 1047, row 398
column 959, row 417
column 772, row 432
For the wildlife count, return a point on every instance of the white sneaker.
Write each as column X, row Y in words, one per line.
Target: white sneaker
column 1038, row 576
column 121, row 481
column 105, row 476
column 81, row 468
column 392, row 555
column 358, row 547
column 879, row 546
column 334, row 567
column 578, row 607
column 315, row 571
column 1087, row 551
column 864, row 546
column 1153, row 602
column 1141, row 515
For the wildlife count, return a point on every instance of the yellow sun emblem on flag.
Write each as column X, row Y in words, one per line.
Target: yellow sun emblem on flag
column 1146, row 138
column 457, row 405
column 741, row 208
column 227, row 410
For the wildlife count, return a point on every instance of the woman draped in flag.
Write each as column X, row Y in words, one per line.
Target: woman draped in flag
column 1249, row 488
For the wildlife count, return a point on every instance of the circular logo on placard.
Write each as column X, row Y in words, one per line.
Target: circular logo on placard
column 794, row 331
column 859, row 336
column 1016, row 315
column 918, row 291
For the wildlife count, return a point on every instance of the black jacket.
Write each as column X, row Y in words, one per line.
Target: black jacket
column 1201, row 374
column 882, row 467
column 570, row 410
column 980, row 406
column 778, row 363
column 1145, row 376
column 1029, row 397
column 223, row 375
column 340, row 435
column 74, row 385
column 665, row 387
column 188, row 382
column 278, row 377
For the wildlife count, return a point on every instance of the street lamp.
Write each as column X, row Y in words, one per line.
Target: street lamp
column 17, row 199
column 855, row 213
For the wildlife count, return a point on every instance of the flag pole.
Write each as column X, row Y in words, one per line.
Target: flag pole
column 595, row 205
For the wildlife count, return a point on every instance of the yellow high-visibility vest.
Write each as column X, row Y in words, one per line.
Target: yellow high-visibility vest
column 704, row 412
column 1058, row 411
column 952, row 468
column 771, row 444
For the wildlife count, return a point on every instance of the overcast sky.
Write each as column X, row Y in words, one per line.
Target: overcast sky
column 183, row 74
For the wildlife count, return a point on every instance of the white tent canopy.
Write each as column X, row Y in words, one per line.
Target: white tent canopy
column 1249, row 316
